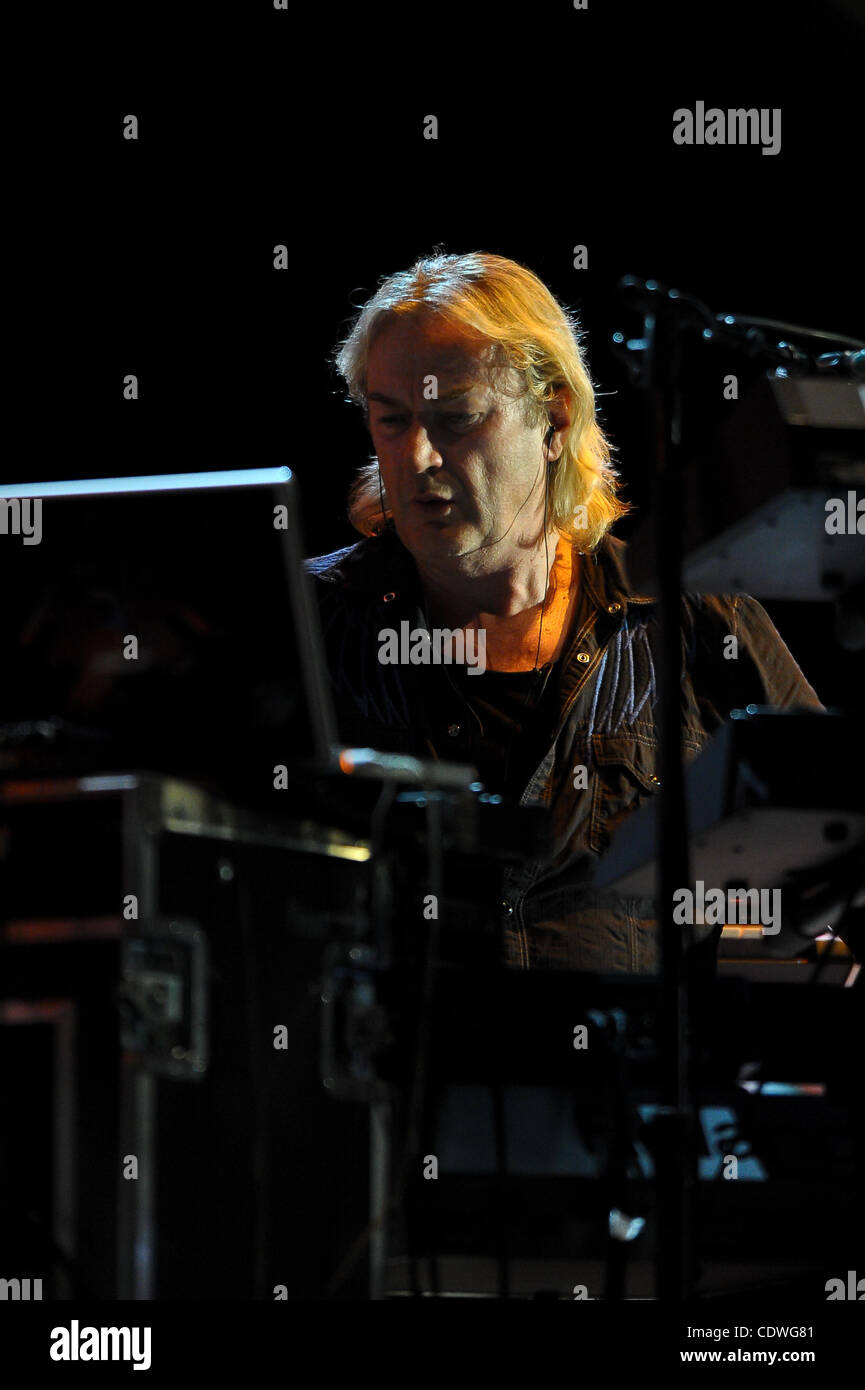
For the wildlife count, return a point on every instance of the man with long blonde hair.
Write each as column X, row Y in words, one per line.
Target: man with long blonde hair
column 486, row 616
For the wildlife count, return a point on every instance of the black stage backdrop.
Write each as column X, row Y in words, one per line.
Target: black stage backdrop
column 304, row 128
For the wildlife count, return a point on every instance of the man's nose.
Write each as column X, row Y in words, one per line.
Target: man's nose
column 420, row 452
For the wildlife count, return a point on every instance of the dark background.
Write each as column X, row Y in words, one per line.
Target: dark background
column 304, row 127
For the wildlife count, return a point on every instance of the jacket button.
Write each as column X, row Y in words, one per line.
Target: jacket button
column 583, row 657
column 453, row 730
column 614, row 608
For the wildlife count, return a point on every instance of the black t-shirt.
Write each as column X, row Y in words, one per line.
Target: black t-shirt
column 514, row 714
column 511, row 725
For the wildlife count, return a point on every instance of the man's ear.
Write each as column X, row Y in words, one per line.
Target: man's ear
column 559, row 409
column 558, row 413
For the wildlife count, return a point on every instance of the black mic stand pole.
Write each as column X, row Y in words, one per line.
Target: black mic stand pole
column 674, row 1126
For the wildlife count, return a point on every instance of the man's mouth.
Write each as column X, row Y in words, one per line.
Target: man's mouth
column 432, row 504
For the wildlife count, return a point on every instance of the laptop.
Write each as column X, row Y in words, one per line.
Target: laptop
column 161, row 623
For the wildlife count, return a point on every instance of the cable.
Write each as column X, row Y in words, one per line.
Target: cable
column 412, row 1145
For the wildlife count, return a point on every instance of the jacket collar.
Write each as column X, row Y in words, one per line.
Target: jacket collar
column 382, row 570
column 605, row 577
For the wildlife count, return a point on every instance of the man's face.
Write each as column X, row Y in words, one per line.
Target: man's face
column 470, row 446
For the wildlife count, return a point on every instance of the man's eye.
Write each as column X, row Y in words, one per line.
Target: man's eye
column 454, row 419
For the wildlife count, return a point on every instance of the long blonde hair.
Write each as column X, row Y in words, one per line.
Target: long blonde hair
column 506, row 305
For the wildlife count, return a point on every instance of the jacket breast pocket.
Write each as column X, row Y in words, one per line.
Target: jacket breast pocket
column 624, row 776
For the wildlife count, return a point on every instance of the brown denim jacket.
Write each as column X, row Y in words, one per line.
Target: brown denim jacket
column 606, row 722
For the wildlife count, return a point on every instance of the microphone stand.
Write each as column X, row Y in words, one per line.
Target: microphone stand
column 654, row 363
